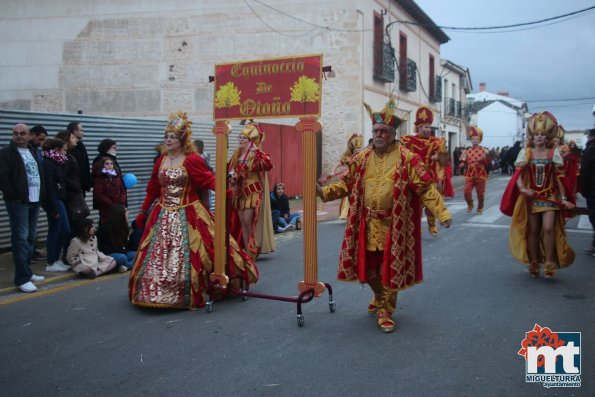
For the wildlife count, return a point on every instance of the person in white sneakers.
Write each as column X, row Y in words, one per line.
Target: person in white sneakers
column 22, row 186
column 54, row 161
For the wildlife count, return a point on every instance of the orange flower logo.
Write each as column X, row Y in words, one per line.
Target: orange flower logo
column 538, row 337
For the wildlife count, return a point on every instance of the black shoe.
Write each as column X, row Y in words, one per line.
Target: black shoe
column 38, row 255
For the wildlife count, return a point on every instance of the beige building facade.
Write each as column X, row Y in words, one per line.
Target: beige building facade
column 146, row 58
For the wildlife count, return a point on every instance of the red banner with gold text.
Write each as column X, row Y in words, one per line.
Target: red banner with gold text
column 268, row 88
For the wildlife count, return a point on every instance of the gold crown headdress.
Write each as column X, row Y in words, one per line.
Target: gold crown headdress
column 542, row 122
column 180, row 125
column 385, row 116
column 253, row 132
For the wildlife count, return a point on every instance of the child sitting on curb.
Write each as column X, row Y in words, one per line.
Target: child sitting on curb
column 84, row 256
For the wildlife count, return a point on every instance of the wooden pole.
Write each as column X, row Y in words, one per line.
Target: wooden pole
column 310, row 127
column 221, row 130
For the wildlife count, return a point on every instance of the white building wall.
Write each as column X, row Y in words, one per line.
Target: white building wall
column 419, row 45
column 499, row 124
column 150, row 57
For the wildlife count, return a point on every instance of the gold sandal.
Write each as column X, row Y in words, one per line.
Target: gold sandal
column 433, row 230
column 549, row 269
column 384, row 321
column 534, row 269
column 373, row 306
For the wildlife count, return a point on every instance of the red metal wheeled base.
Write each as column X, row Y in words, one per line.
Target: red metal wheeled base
column 304, row 297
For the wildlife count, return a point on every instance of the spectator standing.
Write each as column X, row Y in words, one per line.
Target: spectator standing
column 206, row 196
column 74, row 190
column 200, row 148
column 79, row 152
column 54, row 160
column 108, row 148
column 108, row 188
column 587, row 181
column 38, row 135
column 511, row 156
column 22, row 184
column 502, row 160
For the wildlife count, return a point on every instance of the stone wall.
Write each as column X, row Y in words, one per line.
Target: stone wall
column 149, row 57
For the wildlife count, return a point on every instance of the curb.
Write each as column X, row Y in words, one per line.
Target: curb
column 47, row 281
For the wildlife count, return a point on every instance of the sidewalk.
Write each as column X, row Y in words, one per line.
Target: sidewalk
column 325, row 212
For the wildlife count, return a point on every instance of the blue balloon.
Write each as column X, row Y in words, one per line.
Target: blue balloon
column 129, row 180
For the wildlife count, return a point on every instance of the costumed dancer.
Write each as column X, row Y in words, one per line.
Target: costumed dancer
column 354, row 144
column 382, row 242
column 475, row 160
column 571, row 158
column 176, row 253
column 432, row 151
column 250, row 188
column 537, row 229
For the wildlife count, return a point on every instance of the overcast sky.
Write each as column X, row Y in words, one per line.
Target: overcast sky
column 550, row 62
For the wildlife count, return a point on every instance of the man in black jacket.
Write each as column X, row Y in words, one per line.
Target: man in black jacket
column 587, row 178
column 81, row 155
column 22, row 185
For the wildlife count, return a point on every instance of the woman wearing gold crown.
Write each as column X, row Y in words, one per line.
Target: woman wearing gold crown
column 249, row 183
column 475, row 159
column 354, row 144
column 175, row 256
column 535, row 197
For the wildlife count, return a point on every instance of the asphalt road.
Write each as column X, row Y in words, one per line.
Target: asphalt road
column 457, row 334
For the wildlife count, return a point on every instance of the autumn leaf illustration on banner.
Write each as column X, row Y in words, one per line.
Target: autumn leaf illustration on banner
column 227, row 95
column 305, row 89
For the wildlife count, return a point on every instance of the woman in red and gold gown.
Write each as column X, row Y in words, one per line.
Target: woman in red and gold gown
column 536, row 198
column 247, row 170
column 175, row 256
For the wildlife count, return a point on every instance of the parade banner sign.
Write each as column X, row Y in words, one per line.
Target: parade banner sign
column 268, row 88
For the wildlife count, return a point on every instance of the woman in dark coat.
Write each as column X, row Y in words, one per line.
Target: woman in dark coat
column 108, row 188
column 73, row 181
column 54, row 161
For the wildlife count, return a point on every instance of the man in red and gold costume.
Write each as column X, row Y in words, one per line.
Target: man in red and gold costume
column 475, row 159
column 382, row 243
column 432, row 151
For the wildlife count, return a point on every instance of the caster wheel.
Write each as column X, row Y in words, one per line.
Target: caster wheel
column 209, row 307
column 300, row 320
column 332, row 306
